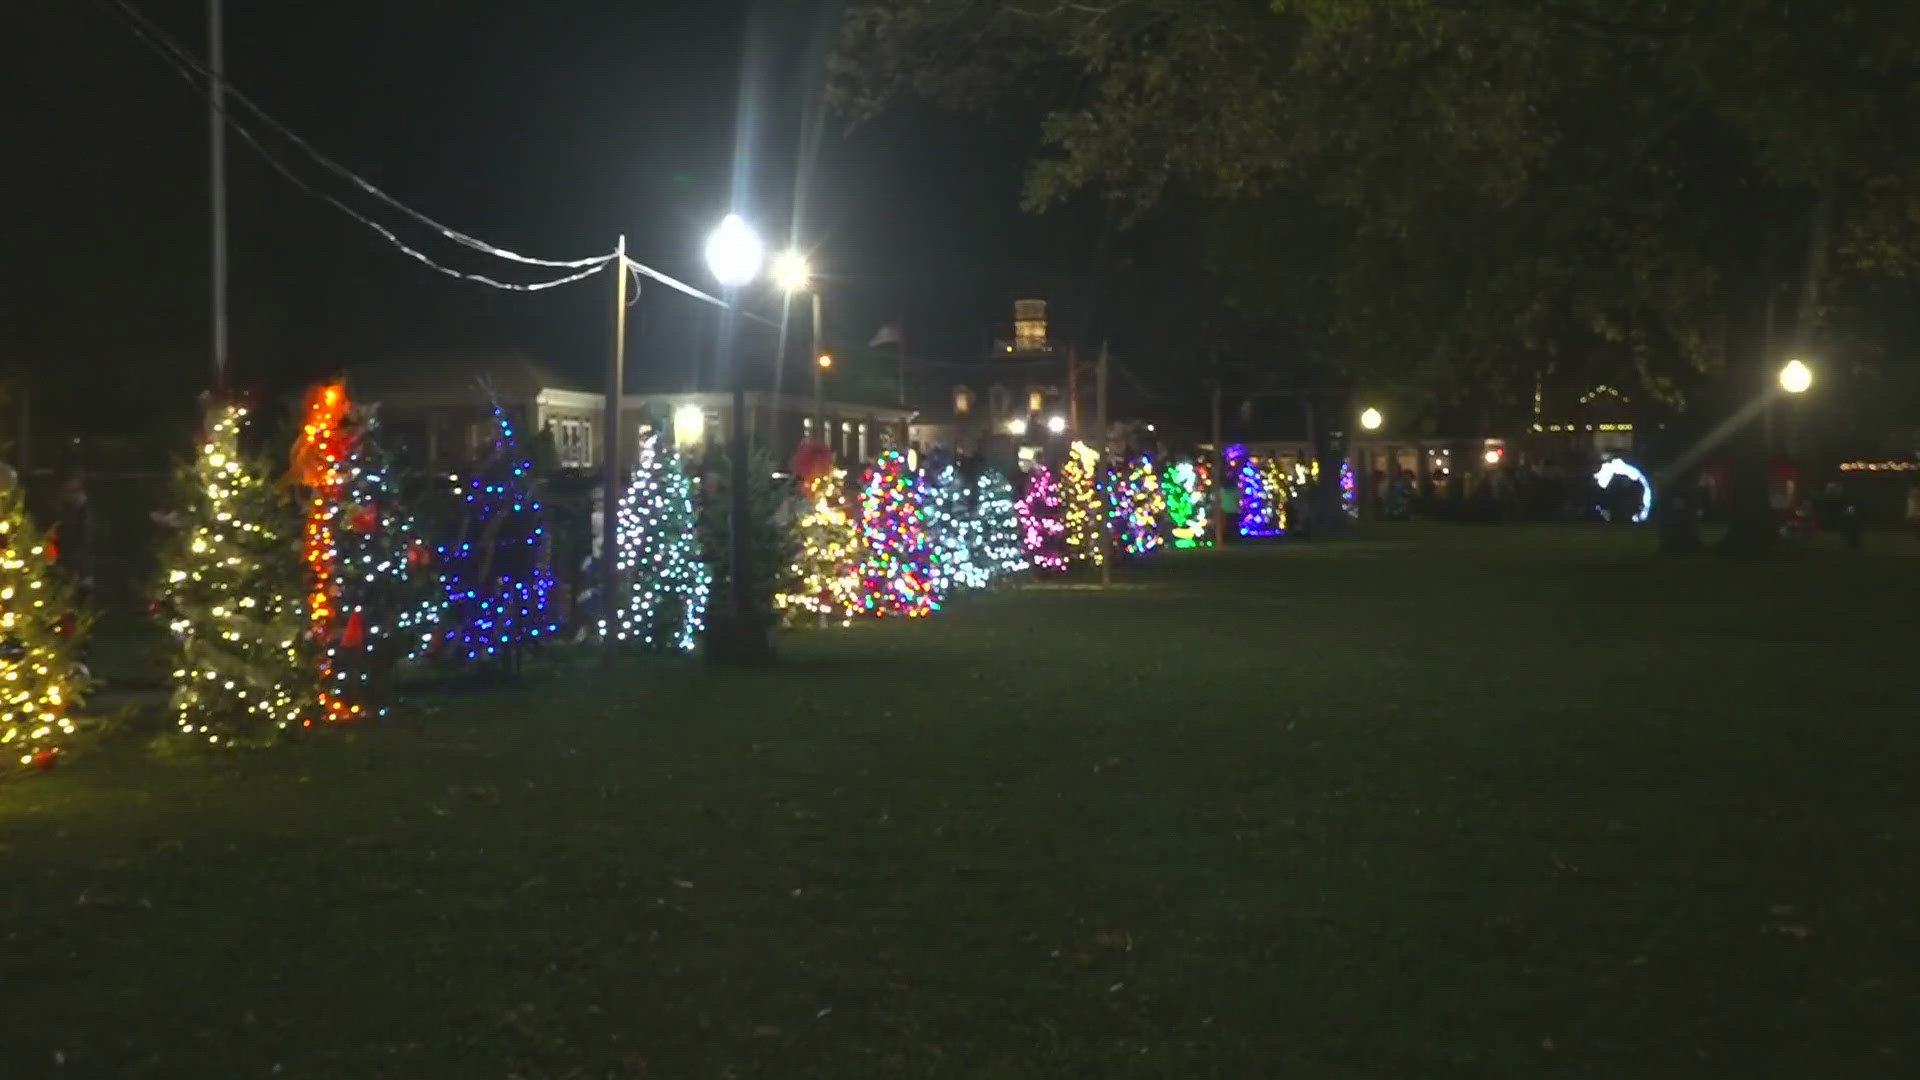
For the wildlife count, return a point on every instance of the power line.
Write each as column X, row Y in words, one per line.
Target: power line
column 180, row 55
column 185, row 65
column 592, row 266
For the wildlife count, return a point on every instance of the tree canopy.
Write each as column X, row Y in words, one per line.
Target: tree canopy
column 1460, row 195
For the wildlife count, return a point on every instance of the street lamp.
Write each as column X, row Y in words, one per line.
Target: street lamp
column 735, row 256
column 1017, row 426
column 792, row 272
column 1056, row 424
column 1371, row 419
column 1795, row 377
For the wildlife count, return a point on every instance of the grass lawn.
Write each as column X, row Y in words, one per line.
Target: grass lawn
column 1429, row 802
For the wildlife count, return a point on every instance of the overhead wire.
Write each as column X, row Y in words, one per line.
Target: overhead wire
column 202, row 78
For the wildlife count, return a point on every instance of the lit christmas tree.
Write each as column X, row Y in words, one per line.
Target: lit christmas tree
column 1042, row 530
column 1083, row 507
column 499, row 585
column 372, row 599
column 769, row 540
column 824, row 581
column 1260, row 498
column 958, row 533
column 1349, row 491
column 1186, row 491
column 40, row 637
column 667, row 584
column 1000, row 551
column 897, row 575
column 235, row 596
column 1138, row 508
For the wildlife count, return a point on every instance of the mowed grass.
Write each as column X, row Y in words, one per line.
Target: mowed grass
column 1426, row 802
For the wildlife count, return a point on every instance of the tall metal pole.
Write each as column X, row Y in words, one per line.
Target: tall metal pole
column 610, row 479
column 1220, row 471
column 819, row 376
column 748, row 640
column 1100, row 418
column 217, row 166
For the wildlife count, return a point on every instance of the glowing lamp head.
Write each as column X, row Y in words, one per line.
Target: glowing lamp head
column 1371, row 419
column 1795, row 377
column 734, row 252
column 689, row 423
column 792, row 272
column 1056, row 424
column 825, row 361
column 1494, row 454
column 1017, row 426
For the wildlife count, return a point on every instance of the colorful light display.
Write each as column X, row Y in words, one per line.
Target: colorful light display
column 826, row 568
column 1349, row 491
column 40, row 637
column 1000, row 548
column 658, row 560
column 958, row 533
column 1185, row 488
column 235, row 597
column 372, row 599
column 499, row 586
column 1082, row 507
column 1042, row 528
column 1614, row 468
column 898, row 573
column 1261, row 494
column 1139, row 508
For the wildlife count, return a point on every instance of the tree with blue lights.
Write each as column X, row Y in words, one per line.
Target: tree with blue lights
column 498, row 581
column 955, row 526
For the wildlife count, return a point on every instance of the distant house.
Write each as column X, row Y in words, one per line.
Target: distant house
column 441, row 414
column 1014, row 395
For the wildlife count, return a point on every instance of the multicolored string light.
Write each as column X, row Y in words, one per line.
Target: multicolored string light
column 372, row 599
column 826, row 567
column 499, row 586
column 1186, row 493
column 1259, row 509
column 1349, row 491
column 1139, row 508
column 899, row 570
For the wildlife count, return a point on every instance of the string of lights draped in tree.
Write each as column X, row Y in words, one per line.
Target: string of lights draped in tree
column 1186, row 490
column 1139, row 508
column 499, row 586
column 1000, row 550
column 667, row 584
column 41, row 634
column 898, row 573
column 1083, row 507
column 1042, row 530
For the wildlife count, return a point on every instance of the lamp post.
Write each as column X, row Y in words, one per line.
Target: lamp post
column 734, row 256
column 821, row 365
column 794, row 274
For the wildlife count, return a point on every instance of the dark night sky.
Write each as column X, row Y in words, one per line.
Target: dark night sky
column 546, row 128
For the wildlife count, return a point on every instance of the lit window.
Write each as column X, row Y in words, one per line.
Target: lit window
column 1036, row 399
column 962, row 401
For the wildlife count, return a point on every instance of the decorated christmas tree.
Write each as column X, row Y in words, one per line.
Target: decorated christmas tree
column 1082, row 507
column 666, row 582
column 957, row 532
column 373, row 599
column 823, row 583
column 1043, row 530
column 897, row 574
column 768, row 539
column 499, row 582
column 235, row 596
column 41, row 681
column 1000, row 551
column 1260, row 497
column 1186, row 491
column 1139, row 508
